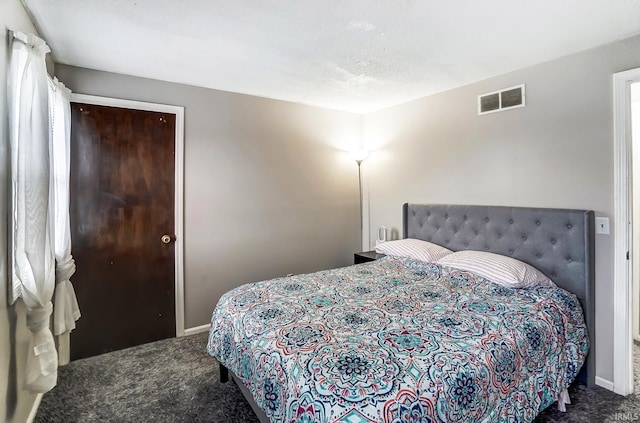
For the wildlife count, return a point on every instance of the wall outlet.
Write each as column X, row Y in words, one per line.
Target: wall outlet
column 602, row 225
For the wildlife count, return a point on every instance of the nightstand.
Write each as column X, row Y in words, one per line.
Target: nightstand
column 366, row 256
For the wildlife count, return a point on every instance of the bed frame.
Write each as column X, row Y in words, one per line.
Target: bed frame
column 559, row 242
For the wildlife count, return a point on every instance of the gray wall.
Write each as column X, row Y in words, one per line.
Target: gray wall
column 268, row 187
column 15, row 403
column 555, row 152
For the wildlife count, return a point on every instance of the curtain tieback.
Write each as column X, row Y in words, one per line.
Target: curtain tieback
column 38, row 318
column 65, row 270
column 42, row 358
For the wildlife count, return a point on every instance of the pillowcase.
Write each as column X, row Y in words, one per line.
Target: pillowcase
column 503, row 270
column 413, row 248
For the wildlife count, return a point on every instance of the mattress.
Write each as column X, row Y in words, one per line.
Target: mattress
column 397, row 340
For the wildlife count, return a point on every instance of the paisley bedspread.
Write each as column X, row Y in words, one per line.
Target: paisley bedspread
column 399, row 340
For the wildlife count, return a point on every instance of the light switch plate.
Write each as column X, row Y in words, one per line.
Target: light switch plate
column 602, row 225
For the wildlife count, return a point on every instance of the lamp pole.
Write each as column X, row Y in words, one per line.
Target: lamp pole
column 359, row 156
column 360, row 190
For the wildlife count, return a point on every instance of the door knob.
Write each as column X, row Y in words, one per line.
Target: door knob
column 165, row 239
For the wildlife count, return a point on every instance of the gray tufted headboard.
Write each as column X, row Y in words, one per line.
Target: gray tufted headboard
column 558, row 242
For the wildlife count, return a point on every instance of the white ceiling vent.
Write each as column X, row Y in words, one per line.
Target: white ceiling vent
column 497, row 101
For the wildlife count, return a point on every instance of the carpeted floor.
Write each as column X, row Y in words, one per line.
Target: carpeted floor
column 599, row 405
column 175, row 380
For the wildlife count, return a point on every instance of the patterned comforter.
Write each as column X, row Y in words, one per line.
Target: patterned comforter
column 399, row 340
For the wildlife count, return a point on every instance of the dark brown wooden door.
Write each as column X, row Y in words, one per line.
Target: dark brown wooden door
column 122, row 203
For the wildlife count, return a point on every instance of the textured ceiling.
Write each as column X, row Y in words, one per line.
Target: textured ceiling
column 354, row 55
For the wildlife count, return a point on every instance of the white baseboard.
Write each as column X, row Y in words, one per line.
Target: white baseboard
column 34, row 409
column 604, row 383
column 197, row 329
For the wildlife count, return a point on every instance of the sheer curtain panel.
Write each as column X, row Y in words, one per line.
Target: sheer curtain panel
column 32, row 258
column 65, row 304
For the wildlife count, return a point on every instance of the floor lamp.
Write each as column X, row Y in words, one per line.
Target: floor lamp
column 359, row 156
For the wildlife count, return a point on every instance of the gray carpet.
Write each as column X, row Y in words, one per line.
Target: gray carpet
column 598, row 404
column 175, row 380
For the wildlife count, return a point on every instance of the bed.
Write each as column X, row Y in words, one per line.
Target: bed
column 399, row 338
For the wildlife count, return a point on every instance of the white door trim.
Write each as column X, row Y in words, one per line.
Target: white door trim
column 622, row 336
column 179, row 184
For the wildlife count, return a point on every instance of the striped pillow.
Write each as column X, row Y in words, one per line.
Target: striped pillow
column 413, row 248
column 503, row 270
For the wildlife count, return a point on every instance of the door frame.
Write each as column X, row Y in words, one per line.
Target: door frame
column 179, row 184
column 622, row 267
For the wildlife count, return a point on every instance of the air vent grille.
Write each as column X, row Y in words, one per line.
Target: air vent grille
column 505, row 99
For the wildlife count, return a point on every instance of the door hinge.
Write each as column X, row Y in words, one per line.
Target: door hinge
column 627, row 255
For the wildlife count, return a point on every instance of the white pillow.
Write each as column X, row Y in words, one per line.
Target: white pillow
column 503, row 270
column 413, row 248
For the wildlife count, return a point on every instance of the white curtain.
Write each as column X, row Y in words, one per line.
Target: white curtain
column 65, row 310
column 32, row 258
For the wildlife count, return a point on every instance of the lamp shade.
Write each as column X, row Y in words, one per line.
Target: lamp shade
column 359, row 155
